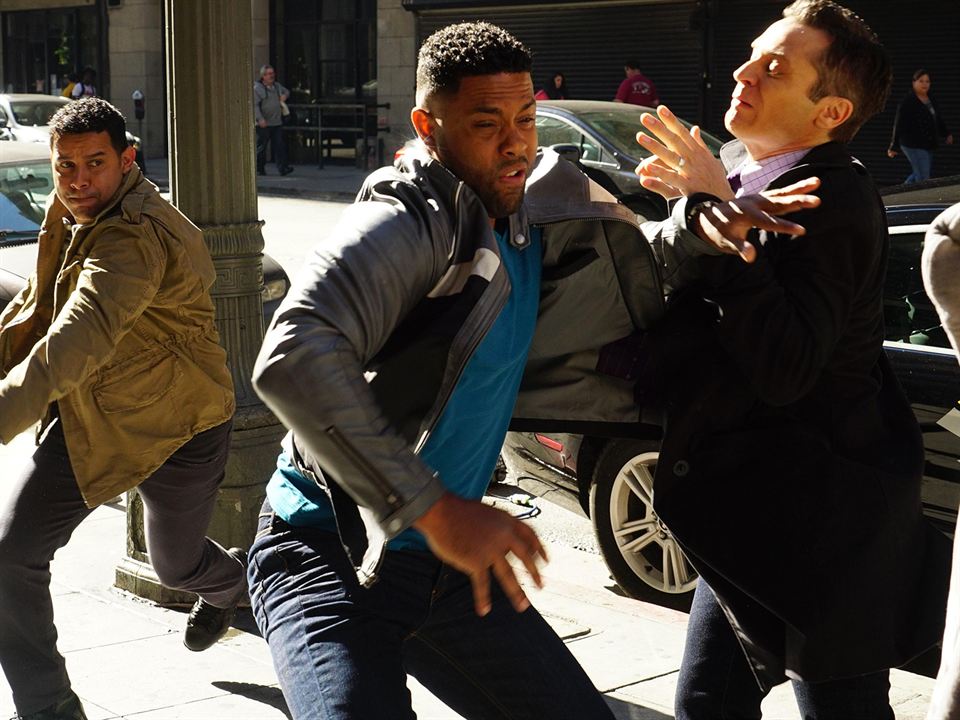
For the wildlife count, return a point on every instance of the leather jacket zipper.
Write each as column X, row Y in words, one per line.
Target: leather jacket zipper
column 367, row 469
column 448, row 391
column 478, row 336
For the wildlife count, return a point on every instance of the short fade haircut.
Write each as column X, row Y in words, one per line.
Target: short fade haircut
column 90, row 115
column 467, row 50
column 855, row 66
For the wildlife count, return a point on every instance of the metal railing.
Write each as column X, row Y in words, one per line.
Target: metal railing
column 357, row 122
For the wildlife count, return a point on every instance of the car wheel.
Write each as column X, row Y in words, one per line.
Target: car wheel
column 639, row 550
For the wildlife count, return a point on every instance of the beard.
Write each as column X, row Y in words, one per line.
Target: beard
column 499, row 203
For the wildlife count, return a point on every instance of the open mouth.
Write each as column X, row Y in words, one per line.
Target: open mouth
column 515, row 175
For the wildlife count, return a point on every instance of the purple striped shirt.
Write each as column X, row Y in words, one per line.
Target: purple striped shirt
column 755, row 175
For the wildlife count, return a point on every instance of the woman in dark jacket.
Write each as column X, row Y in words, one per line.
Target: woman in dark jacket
column 554, row 89
column 917, row 128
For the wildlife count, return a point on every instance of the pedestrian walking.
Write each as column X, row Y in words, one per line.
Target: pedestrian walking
column 269, row 102
column 555, row 88
column 917, row 128
column 636, row 88
column 85, row 88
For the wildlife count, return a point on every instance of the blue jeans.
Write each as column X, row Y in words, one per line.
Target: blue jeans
column 920, row 162
column 716, row 682
column 343, row 651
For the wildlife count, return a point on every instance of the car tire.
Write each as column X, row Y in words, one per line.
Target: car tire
column 635, row 545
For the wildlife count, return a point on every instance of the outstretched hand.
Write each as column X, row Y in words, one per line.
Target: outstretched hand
column 681, row 163
column 476, row 539
column 726, row 224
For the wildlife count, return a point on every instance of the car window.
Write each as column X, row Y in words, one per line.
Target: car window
column 620, row 125
column 551, row 131
column 554, row 131
column 909, row 315
column 23, row 195
column 34, row 113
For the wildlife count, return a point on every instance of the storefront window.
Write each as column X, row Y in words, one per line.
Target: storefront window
column 42, row 47
column 323, row 49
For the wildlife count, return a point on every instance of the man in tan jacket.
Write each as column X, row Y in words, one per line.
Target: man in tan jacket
column 112, row 347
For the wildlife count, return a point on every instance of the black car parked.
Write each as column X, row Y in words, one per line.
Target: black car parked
column 603, row 136
column 607, row 471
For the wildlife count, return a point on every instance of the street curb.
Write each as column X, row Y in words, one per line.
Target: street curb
column 323, row 195
column 297, row 193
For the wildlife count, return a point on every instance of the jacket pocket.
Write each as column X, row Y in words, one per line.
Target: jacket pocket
column 139, row 383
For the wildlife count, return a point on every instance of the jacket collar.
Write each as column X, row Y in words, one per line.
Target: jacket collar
column 557, row 190
column 418, row 163
column 58, row 212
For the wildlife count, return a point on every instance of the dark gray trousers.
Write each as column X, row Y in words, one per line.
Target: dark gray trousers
column 40, row 513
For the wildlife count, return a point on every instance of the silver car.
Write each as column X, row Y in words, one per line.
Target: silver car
column 26, row 118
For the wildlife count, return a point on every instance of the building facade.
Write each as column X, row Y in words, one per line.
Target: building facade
column 350, row 64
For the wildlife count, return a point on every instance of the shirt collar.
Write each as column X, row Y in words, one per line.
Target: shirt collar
column 755, row 175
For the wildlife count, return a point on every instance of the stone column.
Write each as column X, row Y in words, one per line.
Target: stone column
column 213, row 182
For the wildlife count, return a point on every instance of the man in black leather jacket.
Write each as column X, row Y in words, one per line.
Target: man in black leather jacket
column 396, row 361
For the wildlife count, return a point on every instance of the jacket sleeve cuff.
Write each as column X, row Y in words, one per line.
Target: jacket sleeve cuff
column 403, row 518
column 682, row 215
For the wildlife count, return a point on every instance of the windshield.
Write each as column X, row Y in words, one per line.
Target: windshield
column 34, row 113
column 23, row 195
column 619, row 126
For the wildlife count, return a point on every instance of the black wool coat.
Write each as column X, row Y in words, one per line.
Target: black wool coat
column 791, row 461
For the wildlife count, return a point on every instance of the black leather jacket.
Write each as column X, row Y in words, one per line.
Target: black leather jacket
column 366, row 349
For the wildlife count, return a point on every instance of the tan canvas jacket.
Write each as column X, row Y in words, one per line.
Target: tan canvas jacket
column 118, row 329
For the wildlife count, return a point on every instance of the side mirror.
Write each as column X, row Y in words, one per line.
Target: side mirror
column 568, row 151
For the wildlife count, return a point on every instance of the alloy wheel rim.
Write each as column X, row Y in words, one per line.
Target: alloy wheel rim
column 646, row 544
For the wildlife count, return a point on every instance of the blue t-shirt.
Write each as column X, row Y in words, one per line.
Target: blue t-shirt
column 466, row 440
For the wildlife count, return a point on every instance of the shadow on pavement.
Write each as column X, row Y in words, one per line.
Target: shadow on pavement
column 630, row 711
column 271, row 696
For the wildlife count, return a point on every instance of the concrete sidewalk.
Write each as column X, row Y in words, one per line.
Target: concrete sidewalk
column 126, row 657
column 338, row 180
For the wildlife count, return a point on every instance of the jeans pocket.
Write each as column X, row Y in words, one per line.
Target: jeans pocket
column 265, row 567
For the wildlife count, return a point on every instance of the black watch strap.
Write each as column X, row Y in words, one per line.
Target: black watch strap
column 696, row 204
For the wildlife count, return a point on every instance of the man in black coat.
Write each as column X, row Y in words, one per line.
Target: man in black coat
column 791, row 462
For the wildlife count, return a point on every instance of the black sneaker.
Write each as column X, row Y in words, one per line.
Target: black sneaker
column 67, row 709
column 208, row 623
column 286, row 170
